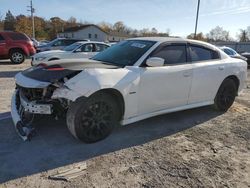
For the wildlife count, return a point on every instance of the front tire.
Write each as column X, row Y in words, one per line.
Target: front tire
column 17, row 56
column 226, row 95
column 93, row 119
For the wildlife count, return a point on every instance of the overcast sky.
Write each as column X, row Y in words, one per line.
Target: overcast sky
column 177, row 15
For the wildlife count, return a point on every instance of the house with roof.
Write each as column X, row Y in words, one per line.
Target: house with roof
column 91, row 32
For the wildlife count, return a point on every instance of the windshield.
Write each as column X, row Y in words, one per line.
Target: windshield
column 72, row 47
column 53, row 41
column 124, row 53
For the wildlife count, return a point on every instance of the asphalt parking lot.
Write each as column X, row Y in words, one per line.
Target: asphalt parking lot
column 193, row 148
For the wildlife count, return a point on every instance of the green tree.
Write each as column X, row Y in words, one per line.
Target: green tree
column 40, row 28
column 23, row 25
column 9, row 21
column 1, row 21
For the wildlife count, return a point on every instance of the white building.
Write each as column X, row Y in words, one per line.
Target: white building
column 91, row 32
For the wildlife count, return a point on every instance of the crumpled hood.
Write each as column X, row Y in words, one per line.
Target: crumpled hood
column 66, row 68
column 80, row 64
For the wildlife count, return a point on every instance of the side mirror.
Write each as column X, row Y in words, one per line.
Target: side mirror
column 155, row 62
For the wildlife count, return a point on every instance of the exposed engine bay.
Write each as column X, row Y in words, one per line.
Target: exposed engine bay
column 31, row 102
column 45, row 90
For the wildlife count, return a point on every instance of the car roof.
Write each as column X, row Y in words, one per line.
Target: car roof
column 177, row 39
column 95, row 42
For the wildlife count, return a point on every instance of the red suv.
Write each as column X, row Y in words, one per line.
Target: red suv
column 15, row 46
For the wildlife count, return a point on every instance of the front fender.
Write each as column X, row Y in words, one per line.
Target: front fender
column 89, row 81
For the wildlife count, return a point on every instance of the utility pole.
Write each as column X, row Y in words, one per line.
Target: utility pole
column 32, row 11
column 197, row 17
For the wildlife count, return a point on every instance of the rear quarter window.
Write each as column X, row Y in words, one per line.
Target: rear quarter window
column 1, row 38
column 198, row 53
column 18, row 36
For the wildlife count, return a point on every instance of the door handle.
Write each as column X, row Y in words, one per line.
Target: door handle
column 221, row 68
column 186, row 74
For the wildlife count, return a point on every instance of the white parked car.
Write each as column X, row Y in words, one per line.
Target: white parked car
column 130, row 81
column 73, row 51
column 232, row 53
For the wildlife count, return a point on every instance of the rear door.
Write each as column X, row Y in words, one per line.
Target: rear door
column 208, row 73
column 3, row 50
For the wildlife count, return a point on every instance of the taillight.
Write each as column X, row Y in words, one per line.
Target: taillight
column 54, row 68
column 50, row 67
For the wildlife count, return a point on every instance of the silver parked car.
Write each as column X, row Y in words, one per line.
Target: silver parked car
column 57, row 44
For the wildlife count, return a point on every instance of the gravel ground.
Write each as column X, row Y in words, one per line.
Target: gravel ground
column 193, row 148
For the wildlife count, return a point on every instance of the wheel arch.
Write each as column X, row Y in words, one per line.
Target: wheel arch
column 235, row 79
column 117, row 96
column 16, row 49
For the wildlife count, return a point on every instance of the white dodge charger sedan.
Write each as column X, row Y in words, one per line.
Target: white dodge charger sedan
column 76, row 50
column 133, row 80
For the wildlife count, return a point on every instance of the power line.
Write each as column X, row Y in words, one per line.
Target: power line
column 32, row 11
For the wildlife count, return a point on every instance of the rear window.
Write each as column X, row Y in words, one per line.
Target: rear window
column 1, row 38
column 202, row 54
column 229, row 52
column 18, row 36
column 69, row 42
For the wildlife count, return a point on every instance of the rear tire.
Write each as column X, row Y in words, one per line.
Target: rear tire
column 93, row 119
column 17, row 56
column 226, row 95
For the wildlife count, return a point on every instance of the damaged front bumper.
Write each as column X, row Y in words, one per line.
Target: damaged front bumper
column 19, row 101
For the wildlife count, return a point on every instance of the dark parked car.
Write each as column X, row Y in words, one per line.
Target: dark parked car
column 57, row 44
column 246, row 55
column 15, row 46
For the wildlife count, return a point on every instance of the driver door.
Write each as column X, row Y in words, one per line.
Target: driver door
column 167, row 86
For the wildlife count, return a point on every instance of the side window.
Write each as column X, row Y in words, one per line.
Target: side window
column 1, row 38
column 58, row 43
column 100, row 47
column 69, row 42
column 228, row 52
column 232, row 52
column 202, row 54
column 172, row 54
column 87, row 48
column 18, row 36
